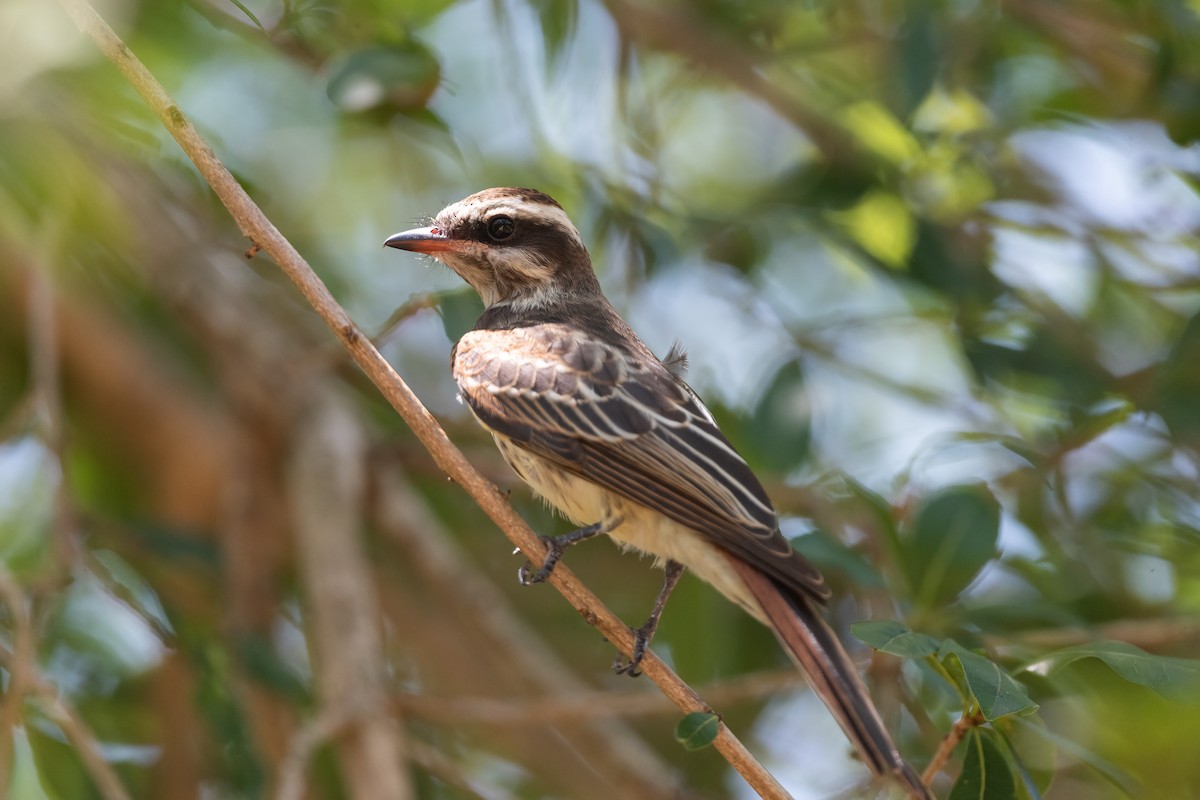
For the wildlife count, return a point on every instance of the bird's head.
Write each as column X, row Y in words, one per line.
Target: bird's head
column 511, row 245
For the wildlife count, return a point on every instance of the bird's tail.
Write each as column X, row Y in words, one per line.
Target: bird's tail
column 815, row 648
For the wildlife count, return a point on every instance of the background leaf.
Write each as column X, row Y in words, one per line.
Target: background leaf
column 1174, row 679
column 697, row 730
column 895, row 638
column 985, row 772
column 997, row 693
column 952, row 537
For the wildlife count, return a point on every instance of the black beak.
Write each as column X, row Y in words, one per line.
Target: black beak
column 423, row 240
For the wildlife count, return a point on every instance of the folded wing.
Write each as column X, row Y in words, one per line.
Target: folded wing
column 630, row 426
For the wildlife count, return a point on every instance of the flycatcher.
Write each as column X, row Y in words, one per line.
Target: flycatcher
column 620, row 444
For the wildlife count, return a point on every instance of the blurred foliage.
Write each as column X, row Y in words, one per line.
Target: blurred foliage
column 937, row 266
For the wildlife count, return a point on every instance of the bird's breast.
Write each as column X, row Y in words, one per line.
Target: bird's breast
column 580, row 501
column 640, row 528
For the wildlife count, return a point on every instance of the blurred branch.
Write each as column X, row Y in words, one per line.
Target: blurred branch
column 125, row 393
column 414, row 304
column 326, row 483
column 1148, row 634
column 589, row 705
column 333, row 721
column 815, row 347
column 62, row 713
column 81, row 738
column 675, row 30
column 255, row 225
column 437, row 764
column 628, row 764
column 278, row 35
column 47, row 391
column 1121, row 64
column 20, row 667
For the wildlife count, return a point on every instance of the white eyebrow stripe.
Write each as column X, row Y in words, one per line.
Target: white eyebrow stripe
column 514, row 207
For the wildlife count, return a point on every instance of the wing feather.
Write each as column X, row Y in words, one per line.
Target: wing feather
column 631, row 426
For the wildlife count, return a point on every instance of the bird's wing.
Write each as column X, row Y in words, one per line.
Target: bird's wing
column 631, row 427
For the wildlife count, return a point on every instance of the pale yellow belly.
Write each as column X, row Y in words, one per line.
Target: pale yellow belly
column 640, row 528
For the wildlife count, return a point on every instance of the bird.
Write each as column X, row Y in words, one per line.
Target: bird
column 617, row 441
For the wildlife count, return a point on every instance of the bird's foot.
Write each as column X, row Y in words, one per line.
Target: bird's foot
column 641, row 641
column 555, row 547
column 643, row 635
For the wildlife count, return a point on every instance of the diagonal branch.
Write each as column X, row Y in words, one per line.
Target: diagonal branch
column 255, row 225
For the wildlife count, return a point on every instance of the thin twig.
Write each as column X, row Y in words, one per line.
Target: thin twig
column 47, row 389
column 1149, row 634
column 435, row 762
column 255, row 225
column 19, row 667
column 85, row 743
column 418, row 302
column 588, row 704
column 949, row 742
column 82, row 740
column 332, row 722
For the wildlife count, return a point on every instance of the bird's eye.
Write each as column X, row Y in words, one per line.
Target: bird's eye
column 500, row 228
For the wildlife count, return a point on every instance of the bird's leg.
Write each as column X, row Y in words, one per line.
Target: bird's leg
column 557, row 545
column 642, row 636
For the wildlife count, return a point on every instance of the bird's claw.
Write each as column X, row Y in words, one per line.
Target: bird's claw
column 556, row 546
column 528, row 575
column 641, row 640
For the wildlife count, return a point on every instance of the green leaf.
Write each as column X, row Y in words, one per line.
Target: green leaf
column 402, row 75
column 698, row 730
column 242, row 7
column 1030, row 757
column 880, row 513
column 986, row 774
column 831, row 556
column 459, row 310
column 995, row 691
column 878, row 130
column 261, row 662
column 56, row 767
column 559, row 23
column 777, row 434
column 29, row 473
column 1050, row 743
column 953, row 536
column 1177, row 383
column 25, row 782
column 894, row 637
column 883, row 226
column 1173, row 679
